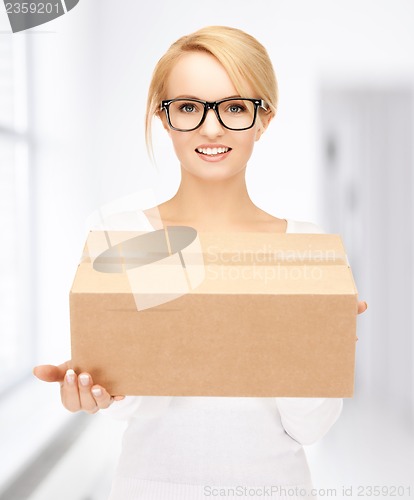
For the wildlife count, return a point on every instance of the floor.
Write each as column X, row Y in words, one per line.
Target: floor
column 368, row 453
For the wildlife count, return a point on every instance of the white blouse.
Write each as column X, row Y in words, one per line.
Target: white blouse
column 220, row 447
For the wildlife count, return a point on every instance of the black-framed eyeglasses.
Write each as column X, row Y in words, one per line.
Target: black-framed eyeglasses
column 233, row 113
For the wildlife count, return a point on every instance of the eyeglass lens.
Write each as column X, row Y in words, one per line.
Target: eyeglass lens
column 187, row 114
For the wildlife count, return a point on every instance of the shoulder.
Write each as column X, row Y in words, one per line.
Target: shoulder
column 298, row 226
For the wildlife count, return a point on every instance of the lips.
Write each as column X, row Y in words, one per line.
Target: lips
column 212, row 152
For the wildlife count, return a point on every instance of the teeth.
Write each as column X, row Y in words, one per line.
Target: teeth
column 212, row 151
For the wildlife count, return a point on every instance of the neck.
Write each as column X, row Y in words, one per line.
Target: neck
column 211, row 204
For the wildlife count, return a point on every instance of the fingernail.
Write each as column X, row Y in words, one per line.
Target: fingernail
column 84, row 379
column 366, row 305
column 70, row 376
column 97, row 391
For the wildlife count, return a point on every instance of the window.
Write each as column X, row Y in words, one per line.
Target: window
column 16, row 243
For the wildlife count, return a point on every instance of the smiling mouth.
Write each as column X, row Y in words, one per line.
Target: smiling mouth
column 212, row 151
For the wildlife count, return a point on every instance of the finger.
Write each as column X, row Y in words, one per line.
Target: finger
column 51, row 373
column 87, row 401
column 102, row 397
column 362, row 307
column 69, row 391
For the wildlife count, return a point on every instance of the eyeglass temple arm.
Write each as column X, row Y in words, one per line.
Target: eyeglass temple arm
column 263, row 105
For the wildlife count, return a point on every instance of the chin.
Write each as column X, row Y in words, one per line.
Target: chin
column 212, row 172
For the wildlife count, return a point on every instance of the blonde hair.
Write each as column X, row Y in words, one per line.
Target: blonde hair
column 244, row 58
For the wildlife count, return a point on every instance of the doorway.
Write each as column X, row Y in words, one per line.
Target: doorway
column 367, row 190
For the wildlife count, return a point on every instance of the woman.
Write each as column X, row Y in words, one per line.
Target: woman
column 215, row 92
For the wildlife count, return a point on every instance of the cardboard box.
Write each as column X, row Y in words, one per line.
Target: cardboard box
column 180, row 313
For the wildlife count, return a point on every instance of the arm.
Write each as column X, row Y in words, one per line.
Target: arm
column 308, row 419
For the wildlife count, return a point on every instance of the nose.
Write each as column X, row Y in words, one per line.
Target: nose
column 211, row 127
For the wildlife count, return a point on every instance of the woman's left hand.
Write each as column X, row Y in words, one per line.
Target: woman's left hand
column 362, row 307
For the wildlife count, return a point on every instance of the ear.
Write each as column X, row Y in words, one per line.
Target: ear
column 263, row 121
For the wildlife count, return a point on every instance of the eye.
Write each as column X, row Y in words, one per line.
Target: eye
column 188, row 107
column 235, row 108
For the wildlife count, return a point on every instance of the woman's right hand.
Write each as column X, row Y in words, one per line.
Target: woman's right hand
column 77, row 391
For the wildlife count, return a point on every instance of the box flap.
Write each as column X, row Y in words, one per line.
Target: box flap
column 182, row 260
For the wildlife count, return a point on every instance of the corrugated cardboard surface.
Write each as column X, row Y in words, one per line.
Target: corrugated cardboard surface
column 241, row 314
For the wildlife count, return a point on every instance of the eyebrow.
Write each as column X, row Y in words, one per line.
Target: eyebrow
column 199, row 98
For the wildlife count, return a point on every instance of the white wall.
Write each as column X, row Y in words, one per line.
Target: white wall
column 64, row 100
column 305, row 40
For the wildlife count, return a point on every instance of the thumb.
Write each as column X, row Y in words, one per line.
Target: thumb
column 51, row 373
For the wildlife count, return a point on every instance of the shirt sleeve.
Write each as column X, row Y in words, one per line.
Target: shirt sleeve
column 307, row 420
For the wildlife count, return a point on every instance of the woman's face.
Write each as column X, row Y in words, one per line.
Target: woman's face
column 200, row 75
